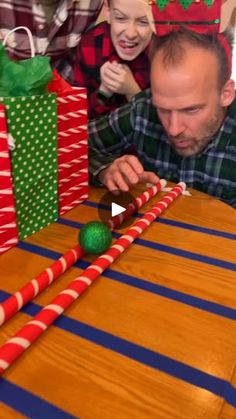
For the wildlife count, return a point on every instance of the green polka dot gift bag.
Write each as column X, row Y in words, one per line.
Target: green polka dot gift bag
column 31, row 117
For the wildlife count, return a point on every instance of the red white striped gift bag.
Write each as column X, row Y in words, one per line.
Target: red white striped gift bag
column 72, row 149
column 8, row 226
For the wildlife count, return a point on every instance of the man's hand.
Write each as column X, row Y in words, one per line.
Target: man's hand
column 118, row 78
column 124, row 172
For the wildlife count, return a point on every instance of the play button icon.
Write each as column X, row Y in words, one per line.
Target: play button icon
column 116, row 209
column 111, row 205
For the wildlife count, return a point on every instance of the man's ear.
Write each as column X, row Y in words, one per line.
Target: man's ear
column 228, row 93
column 107, row 11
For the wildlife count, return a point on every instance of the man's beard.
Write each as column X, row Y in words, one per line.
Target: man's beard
column 198, row 144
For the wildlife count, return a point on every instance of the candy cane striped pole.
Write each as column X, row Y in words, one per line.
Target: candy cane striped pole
column 34, row 287
column 15, row 346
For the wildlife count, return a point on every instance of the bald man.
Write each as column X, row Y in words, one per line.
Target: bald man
column 183, row 128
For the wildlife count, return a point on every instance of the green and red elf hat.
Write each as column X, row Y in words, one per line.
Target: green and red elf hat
column 201, row 16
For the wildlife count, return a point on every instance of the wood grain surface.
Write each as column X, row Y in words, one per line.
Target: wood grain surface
column 153, row 337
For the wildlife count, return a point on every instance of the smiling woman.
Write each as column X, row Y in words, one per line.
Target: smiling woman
column 130, row 29
column 113, row 58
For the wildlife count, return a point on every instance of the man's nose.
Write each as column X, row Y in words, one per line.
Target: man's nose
column 175, row 124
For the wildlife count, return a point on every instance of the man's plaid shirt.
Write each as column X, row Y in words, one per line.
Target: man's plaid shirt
column 94, row 50
column 213, row 171
column 57, row 39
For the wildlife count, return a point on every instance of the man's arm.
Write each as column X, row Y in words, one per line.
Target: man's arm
column 109, row 137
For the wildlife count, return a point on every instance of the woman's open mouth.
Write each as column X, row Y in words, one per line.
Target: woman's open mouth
column 128, row 46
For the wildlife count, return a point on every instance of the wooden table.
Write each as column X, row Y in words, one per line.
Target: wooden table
column 154, row 337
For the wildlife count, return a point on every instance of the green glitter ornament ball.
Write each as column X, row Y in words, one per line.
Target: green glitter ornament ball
column 95, row 237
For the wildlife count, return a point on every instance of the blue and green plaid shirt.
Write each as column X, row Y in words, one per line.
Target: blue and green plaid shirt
column 136, row 124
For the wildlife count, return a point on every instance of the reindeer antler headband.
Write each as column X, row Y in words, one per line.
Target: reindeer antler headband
column 201, row 16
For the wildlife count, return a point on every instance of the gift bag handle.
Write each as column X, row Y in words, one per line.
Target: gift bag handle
column 31, row 41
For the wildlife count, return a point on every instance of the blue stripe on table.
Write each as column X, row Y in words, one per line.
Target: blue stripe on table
column 164, row 248
column 173, row 223
column 142, row 284
column 143, row 355
column 28, row 404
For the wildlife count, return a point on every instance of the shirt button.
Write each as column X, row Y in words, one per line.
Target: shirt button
column 41, row 26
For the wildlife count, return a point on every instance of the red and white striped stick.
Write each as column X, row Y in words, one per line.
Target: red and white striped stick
column 15, row 346
column 34, row 287
column 8, row 227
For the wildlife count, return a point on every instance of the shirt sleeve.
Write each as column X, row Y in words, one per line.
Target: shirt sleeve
column 109, row 137
column 96, row 106
column 80, row 67
column 84, row 78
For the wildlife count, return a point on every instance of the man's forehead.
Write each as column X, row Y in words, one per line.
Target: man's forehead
column 183, row 86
